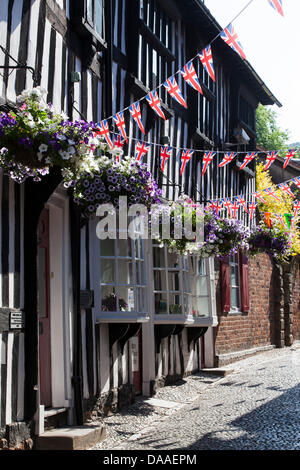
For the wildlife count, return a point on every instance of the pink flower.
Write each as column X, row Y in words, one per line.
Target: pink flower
column 23, row 107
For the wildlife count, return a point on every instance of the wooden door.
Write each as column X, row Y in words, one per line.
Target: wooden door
column 44, row 309
column 136, row 355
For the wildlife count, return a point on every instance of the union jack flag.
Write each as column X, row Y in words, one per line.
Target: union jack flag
column 185, row 157
column 280, row 218
column 173, row 89
column 248, row 158
column 154, row 103
column 242, row 202
column 235, row 208
column 259, row 196
column 290, row 154
column 285, row 187
column 216, row 206
column 141, row 149
column 135, row 112
column 296, row 181
column 228, row 157
column 119, row 142
column 104, row 131
column 189, row 74
column 271, row 193
column 207, row 159
column 252, row 208
column 277, row 5
column 228, row 204
column 271, row 157
column 120, row 123
column 207, row 62
column 296, row 208
column 165, row 154
column 231, row 38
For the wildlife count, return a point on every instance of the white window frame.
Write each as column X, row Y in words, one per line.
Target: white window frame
column 236, row 309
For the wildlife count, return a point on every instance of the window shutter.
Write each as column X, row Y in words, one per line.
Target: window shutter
column 244, row 270
column 225, row 284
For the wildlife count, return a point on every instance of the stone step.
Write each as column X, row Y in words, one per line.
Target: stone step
column 218, row 371
column 71, row 438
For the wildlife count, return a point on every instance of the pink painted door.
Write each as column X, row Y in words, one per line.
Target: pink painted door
column 136, row 352
column 44, row 309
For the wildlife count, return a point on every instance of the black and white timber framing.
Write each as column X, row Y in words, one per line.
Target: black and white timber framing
column 142, row 43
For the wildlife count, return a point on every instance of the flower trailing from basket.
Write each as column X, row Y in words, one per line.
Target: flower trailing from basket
column 35, row 137
column 274, row 241
column 111, row 180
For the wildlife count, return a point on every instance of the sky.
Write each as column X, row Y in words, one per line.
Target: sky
column 272, row 46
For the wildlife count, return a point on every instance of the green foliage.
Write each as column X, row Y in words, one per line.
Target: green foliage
column 269, row 134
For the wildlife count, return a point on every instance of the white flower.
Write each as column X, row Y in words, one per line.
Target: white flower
column 48, row 160
column 31, row 124
column 83, row 148
column 40, row 156
column 71, row 150
column 61, row 137
column 43, row 148
column 64, row 155
column 64, row 116
column 71, row 142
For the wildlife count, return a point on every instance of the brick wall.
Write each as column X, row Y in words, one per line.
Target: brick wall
column 262, row 325
column 295, row 298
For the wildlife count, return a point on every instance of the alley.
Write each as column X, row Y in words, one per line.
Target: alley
column 256, row 407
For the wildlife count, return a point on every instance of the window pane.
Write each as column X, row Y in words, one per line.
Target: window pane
column 109, row 300
column 201, row 285
column 107, row 247
column 90, row 10
column 98, row 17
column 42, row 282
column 201, row 306
column 175, row 304
column 161, row 304
column 160, row 280
column 173, row 278
column 173, row 261
column 107, row 271
column 142, row 304
column 124, row 247
column 202, row 267
column 125, row 272
column 141, row 273
column 235, row 301
column 126, row 299
column 234, row 275
column 158, row 257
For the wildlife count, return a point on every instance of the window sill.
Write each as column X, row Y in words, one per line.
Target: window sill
column 127, row 317
column 187, row 320
column 236, row 313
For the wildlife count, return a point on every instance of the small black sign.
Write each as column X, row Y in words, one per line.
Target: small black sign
column 86, row 299
column 16, row 320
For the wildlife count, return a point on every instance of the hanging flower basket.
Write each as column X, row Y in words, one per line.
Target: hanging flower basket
column 112, row 179
column 273, row 241
column 36, row 137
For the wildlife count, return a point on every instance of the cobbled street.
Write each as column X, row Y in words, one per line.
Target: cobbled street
column 256, row 407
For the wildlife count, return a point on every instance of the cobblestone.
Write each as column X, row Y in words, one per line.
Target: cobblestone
column 257, row 407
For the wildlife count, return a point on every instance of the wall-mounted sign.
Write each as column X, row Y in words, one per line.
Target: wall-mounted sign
column 86, row 299
column 16, row 320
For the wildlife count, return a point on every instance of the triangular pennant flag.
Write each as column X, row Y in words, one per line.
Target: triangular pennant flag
column 141, row 149
column 242, row 202
column 231, row 38
column 207, row 159
column 268, row 219
column 291, row 154
column 252, row 208
column 288, row 218
column 207, row 62
column 260, row 197
column 285, row 187
column 248, row 158
column 228, row 204
column 165, row 154
column 235, row 209
column 135, row 112
column 296, row 208
column 185, row 157
column 216, row 206
column 296, row 181
column 104, row 132
column 173, row 89
column 228, row 157
column 119, row 142
column 189, row 74
column 277, row 5
column 154, row 103
column 271, row 157
column 271, row 192
column 120, row 123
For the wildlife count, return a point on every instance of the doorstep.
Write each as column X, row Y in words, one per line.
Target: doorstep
column 71, row 438
column 218, row 371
